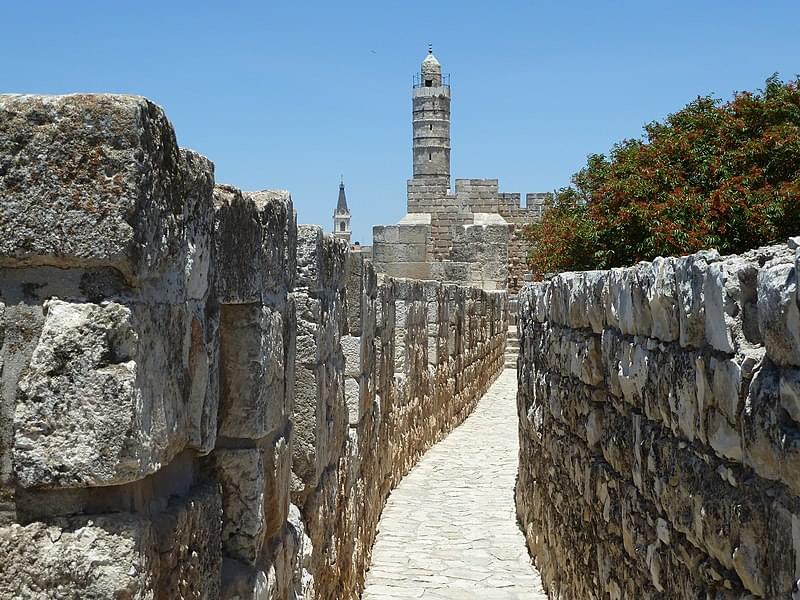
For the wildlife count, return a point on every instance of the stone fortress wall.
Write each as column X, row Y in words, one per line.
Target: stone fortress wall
column 457, row 237
column 198, row 398
column 659, row 412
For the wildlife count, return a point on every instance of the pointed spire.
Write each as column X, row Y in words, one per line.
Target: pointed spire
column 430, row 64
column 341, row 205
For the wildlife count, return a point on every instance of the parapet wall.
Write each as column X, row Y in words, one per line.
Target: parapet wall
column 659, row 423
column 383, row 371
column 197, row 398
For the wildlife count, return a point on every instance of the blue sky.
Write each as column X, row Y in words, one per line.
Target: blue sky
column 293, row 94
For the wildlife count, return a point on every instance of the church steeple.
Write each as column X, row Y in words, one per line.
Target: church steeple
column 341, row 205
column 341, row 217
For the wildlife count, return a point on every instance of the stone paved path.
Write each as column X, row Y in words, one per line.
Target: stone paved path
column 449, row 530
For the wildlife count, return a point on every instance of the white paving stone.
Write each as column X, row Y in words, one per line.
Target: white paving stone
column 449, row 529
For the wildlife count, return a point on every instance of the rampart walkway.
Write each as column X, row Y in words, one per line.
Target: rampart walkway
column 449, row 529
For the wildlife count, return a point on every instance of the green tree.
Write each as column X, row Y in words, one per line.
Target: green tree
column 712, row 175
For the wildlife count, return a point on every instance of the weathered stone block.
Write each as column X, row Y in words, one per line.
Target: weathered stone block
column 690, row 275
column 305, row 415
column 242, row 475
column 662, row 297
column 413, row 270
column 400, row 253
column 723, row 437
column 252, row 399
column 102, row 401
column 355, row 292
column 727, row 388
column 197, row 173
column 729, row 292
column 615, row 300
column 189, row 545
column 90, row 180
column 20, row 327
column 352, row 396
column 309, row 256
column 241, row 581
column 351, row 349
column 278, row 473
column 201, row 360
column 255, row 235
column 85, row 557
column 393, row 234
column 279, row 237
column 778, row 314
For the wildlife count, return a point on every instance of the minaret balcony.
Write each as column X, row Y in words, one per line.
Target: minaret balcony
column 418, row 82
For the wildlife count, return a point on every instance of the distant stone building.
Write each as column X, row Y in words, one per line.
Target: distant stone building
column 341, row 217
column 469, row 235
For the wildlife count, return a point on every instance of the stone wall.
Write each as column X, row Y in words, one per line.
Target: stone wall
column 659, row 423
column 145, row 325
column 383, row 372
column 255, row 237
column 444, row 235
column 484, row 196
column 196, row 400
column 478, row 254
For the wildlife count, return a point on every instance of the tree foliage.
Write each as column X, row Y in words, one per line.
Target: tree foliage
column 712, row 175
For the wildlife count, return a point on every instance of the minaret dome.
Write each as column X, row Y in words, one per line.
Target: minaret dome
column 431, row 71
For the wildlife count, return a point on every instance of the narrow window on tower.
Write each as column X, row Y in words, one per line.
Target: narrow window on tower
column 429, row 156
column 430, row 127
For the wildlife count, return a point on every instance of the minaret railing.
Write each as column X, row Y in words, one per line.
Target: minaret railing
column 417, row 82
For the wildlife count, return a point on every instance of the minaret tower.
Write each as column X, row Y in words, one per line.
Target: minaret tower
column 341, row 217
column 431, row 122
